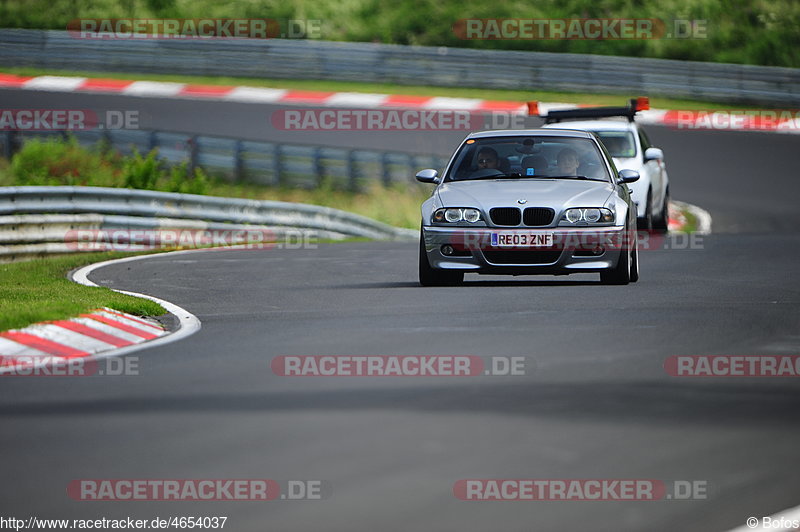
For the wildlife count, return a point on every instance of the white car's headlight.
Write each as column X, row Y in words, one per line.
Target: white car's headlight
column 456, row 214
column 586, row 216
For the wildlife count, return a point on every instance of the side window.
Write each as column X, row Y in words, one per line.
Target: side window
column 645, row 142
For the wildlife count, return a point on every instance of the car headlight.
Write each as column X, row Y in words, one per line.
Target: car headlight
column 455, row 215
column 591, row 215
column 472, row 215
column 587, row 216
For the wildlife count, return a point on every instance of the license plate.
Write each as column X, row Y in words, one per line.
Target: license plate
column 522, row 240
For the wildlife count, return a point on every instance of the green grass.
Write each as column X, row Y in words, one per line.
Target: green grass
column 691, row 222
column 737, row 31
column 388, row 88
column 397, row 205
column 38, row 290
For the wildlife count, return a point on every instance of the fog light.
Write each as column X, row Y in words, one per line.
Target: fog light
column 447, row 250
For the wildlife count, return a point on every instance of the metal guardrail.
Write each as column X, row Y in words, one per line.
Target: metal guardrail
column 264, row 163
column 413, row 65
column 37, row 221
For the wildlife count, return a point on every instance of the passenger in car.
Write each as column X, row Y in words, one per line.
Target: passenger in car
column 568, row 162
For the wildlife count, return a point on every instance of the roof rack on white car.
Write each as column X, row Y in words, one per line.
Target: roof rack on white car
column 634, row 105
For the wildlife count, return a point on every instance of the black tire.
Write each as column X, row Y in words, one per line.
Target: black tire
column 661, row 223
column 646, row 223
column 621, row 273
column 635, row 260
column 431, row 276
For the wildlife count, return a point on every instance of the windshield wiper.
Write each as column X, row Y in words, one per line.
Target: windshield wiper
column 572, row 177
column 492, row 176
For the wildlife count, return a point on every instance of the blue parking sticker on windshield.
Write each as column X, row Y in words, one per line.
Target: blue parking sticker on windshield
column 530, row 171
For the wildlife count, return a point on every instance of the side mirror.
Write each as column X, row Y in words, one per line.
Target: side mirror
column 628, row 176
column 653, row 154
column 429, row 175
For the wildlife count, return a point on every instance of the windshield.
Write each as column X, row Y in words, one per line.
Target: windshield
column 618, row 143
column 528, row 157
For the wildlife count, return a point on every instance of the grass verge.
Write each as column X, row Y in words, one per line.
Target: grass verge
column 388, row 88
column 397, row 205
column 739, row 31
column 38, row 290
column 691, row 222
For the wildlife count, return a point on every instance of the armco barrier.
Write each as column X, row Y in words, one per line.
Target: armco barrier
column 411, row 65
column 265, row 163
column 37, row 221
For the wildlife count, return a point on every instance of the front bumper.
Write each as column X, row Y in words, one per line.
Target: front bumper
column 574, row 250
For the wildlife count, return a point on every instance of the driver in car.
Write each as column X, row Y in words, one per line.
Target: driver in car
column 487, row 158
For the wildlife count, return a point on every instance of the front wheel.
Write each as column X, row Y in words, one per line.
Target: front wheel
column 627, row 268
column 662, row 222
column 646, row 223
column 635, row 261
column 433, row 277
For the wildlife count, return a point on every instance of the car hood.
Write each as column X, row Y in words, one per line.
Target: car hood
column 559, row 194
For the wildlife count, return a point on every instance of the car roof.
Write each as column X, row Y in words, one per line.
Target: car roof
column 550, row 132
column 595, row 125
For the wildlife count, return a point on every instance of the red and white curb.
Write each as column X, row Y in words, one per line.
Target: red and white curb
column 102, row 333
column 58, row 341
column 678, row 220
column 690, row 120
column 253, row 94
column 717, row 120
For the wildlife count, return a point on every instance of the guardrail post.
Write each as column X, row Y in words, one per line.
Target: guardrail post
column 386, row 172
column 105, row 141
column 238, row 162
column 318, row 167
column 352, row 171
column 193, row 149
column 8, row 144
column 277, row 165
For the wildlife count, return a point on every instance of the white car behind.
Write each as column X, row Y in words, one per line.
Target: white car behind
column 630, row 149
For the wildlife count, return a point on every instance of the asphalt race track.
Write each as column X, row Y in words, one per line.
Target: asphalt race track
column 595, row 402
